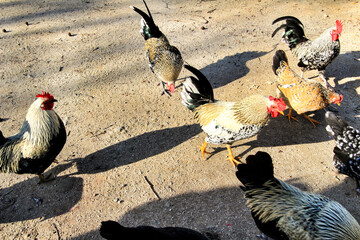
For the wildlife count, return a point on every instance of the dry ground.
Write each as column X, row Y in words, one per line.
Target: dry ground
column 120, row 129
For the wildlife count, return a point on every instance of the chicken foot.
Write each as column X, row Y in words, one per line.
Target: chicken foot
column 311, row 120
column 231, row 158
column 203, row 150
column 290, row 116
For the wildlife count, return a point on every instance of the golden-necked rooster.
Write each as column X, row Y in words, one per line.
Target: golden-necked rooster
column 164, row 59
column 347, row 149
column 40, row 140
column 302, row 95
column 113, row 231
column 312, row 55
column 284, row 212
column 227, row 122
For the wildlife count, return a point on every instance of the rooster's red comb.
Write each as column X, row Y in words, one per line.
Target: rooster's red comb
column 339, row 26
column 45, row 95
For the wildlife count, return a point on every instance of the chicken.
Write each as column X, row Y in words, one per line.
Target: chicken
column 227, row 122
column 347, row 150
column 302, row 95
column 41, row 138
column 312, row 55
column 164, row 59
column 282, row 211
column 113, row 231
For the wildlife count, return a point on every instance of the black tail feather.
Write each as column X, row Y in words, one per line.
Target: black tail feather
column 336, row 125
column 294, row 30
column 257, row 170
column 153, row 30
column 196, row 91
column 278, row 57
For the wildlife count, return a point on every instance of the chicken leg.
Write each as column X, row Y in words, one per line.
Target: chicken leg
column 233, row 160
column 311, row 120
column 203, row 149
column 290, row 116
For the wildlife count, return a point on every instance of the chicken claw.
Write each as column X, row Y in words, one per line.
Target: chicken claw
column 231, row 158
column 203, row 150
column 290, row 116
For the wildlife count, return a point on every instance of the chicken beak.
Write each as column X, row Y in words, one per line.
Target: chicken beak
column 281, row 112
column 338, row 104
column 54, row 100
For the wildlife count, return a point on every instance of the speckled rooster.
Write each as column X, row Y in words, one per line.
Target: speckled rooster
column 164, row 59
column 227, row 122
column 41, row 138
column 347, row 149
column 302, row 95
column 284, row 212
column 312, row 55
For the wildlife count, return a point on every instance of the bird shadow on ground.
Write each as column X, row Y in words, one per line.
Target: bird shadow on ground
column 346, row 65
column 221, row 211
column 281, row 132
column 135, row 149
column 230, row 68
column 27, row 200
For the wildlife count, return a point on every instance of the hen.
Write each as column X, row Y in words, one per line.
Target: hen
column 284, row 212
column 41, row 138
column 227, row 122
column 347, row 150
column 113, row 231
column 312, row 55
column 164, row 59
column 302, row 95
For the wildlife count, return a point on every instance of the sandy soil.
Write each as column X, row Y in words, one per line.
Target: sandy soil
column 121, row 130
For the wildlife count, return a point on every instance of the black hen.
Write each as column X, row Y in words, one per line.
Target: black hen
column 284, row 212
column 113, row 231
column 347, row 150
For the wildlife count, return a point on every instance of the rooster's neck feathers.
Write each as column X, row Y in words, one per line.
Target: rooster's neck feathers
column 39, row 127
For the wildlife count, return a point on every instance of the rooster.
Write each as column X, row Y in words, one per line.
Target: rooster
column 312, row 55
column 40, row 140
column 113, row 231
column 164, row 59
column 227, row 122
column 302, row 95
column 284, row 212
column 347, row 150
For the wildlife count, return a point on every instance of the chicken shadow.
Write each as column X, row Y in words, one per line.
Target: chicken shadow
column 222, row 211
column 27, row 200
column 346, row 65
column 135, row 149
column 230, row 68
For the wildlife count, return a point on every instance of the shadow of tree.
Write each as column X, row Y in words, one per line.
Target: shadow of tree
column 23, row 201
column 229, row 68
column 135, row 149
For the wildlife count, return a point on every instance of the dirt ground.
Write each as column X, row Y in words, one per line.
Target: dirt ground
column 121, row 131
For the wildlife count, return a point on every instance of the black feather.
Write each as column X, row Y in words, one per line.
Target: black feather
column 336, row 124
column 2, row 138
column 294, row 31
column 204, row 92
column 278, row 57
column 153, row 30
column 257, row 170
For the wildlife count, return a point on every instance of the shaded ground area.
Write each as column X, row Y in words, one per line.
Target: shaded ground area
column 121, row 131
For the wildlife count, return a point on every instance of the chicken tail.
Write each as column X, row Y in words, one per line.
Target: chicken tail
column 257, row 170
column 112, row 230
column 336, row 125
column 294, row 31
column 196, row 91
column 278, row 60
column 148, row 27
